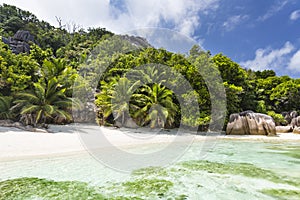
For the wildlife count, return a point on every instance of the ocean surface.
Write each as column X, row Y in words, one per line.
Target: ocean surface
column 211, row 169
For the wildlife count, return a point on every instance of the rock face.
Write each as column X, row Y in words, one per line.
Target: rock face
column 19, row 43
column 136, row 41
column 250, row 123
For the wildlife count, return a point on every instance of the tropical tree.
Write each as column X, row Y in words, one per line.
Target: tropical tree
column 286, row 96
column 47, row 102
column 103, row 101
column 17, row 72
column 154, row 105
column 5, row 107
column 120, row 97
column 113, row 100
column 59, row 69
column 231, row 72
column 265, row 89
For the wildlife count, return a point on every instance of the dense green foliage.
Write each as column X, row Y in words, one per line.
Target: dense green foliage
column 130, row 82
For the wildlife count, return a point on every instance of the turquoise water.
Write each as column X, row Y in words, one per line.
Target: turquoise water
column 227, row 170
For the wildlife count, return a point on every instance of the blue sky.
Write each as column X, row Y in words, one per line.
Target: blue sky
column 257, row 34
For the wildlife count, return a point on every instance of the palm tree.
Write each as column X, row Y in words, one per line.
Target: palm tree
column 103, row 101
column 47, row 101
column 54, row 68
column 114, row 99
column 5, row 105
column 150, row 104
column 60, row 69
column 154, row 105
column 150, row 73
column 120, row 98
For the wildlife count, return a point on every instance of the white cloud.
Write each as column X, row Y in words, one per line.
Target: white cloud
column 295, row 15
column 83, row 12
column 274, row 9
column 180, row 15
column 270, row 58
column 294, row 64
column 234, row 21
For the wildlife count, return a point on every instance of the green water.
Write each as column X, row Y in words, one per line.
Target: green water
column 227, row 170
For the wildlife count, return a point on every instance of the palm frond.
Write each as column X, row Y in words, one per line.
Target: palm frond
column 30, row 109
column 38, row 116
column 64, row 114
column 27, row 96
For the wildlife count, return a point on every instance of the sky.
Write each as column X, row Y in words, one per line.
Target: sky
column 257, row 34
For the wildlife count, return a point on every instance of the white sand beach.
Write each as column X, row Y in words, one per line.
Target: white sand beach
column 15, row 143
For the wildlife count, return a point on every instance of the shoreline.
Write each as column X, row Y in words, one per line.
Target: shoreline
column 65, row 140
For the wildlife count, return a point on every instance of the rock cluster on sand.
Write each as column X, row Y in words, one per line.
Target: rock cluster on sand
column 293, row 121
column 250, row 123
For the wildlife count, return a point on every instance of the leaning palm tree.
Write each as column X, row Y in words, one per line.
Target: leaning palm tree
column 154, row 105
column 46, row 102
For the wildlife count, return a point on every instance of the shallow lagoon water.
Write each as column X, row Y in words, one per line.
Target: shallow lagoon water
column 228, row 169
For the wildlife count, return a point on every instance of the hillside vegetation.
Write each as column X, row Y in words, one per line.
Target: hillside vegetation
column 38, row 87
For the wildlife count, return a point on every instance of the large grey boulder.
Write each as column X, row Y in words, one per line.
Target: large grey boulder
column 19, row 43
column 23, row 36
column 250, row 123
